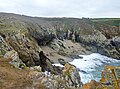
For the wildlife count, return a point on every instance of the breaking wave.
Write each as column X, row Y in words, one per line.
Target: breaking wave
column 90, row 66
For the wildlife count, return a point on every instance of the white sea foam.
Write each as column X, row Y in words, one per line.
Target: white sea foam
column 89, row 62
column 92, row 65
column 57, row 64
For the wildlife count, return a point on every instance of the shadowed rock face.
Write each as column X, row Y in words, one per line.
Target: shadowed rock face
column 46, row 64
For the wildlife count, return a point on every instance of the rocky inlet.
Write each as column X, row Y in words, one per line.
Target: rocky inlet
column 29, row 46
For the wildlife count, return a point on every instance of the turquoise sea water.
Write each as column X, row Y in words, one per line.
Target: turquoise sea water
column 90, row 66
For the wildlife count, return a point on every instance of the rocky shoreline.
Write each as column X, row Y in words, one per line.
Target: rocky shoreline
column 33, row 41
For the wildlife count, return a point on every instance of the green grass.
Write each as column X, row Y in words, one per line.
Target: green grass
column 9, row 26
column 109, row 21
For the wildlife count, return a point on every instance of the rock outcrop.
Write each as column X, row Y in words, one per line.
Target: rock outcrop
column 116, row 43
column 8, row 52
column 46, row 64
column 71, row 76
column 33, row 42
column 27, row 48
column 4, row 47
column 93, row 36
column 93, row 85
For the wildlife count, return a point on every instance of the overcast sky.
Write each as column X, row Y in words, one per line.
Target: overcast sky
column 62, row 8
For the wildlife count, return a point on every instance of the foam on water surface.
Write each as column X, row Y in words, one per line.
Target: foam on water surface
column 92, row 65
column 89, row 62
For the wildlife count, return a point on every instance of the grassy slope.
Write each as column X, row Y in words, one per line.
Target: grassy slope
column 12, row 78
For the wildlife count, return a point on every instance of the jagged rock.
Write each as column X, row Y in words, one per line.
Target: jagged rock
column 109, row 49
column 63, row 44
column 26, row 47
column 54, row 45
column 46, row 64
column 71, row 75
column 58, row 44
column 27, row 50
column 48, row 81
column 16, row 61
column 43, row 81
column 4, row 47
column 93, row 38
column 116, row 42
column 8, row 52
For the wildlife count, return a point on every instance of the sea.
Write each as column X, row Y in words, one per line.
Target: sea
column 90, row 66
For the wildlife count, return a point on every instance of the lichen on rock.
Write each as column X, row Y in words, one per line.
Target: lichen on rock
column 71, row 75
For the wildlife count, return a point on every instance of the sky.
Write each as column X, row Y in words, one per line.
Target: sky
column 63, row 8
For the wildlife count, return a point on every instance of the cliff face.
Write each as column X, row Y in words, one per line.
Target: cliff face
column 28, row 35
